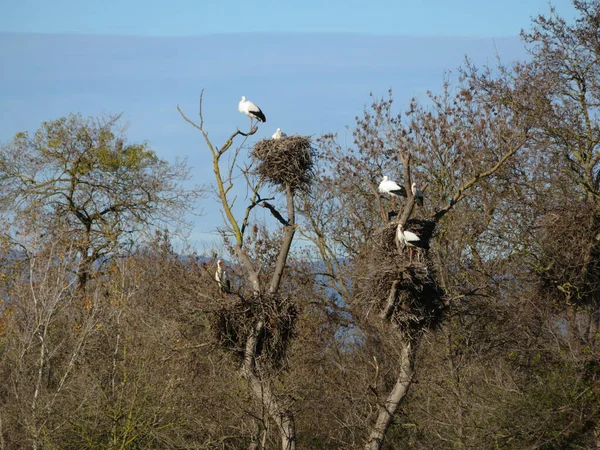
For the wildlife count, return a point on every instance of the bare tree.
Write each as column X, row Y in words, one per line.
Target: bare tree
column 259, row 326
column 449, row 149
column 50, row 329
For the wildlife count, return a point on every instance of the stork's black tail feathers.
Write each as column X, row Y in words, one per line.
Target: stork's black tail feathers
column 258, row 115
column 421, row 244
column 225, row 286
column 399, row 192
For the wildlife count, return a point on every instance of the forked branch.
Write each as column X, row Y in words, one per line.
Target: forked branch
column 222, row 189
column 462, row 190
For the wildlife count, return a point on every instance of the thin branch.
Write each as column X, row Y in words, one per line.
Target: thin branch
column 275, row 213
column 222, row 189
column 461, row 191
column 254, row 201
column 410, row 202
column 386, row 312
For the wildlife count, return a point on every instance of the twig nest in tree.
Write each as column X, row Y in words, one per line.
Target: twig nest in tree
column 285, row 162
column 234, row 322
column 406, row 293
column 421, row 227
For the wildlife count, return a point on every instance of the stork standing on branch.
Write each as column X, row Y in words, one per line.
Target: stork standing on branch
column 251, row 110
column 222, row 278
column 391, row 188
column 418, row 194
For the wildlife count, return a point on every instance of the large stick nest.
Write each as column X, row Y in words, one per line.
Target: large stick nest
column 234, row 322
column 418, row 301
column 285, row 162
column 569, row 256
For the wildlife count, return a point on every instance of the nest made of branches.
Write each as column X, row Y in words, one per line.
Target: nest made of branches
column 568, row 256
column 234, row 322
column 418, row 303
column 285, row 162
column 421, row 227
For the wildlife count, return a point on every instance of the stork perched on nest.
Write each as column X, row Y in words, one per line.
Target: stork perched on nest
column 418, row 193
column 251, row 110
column 222, row 278
column 410, row 240
column 278, row 134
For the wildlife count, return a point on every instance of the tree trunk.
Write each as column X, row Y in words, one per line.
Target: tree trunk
column 573, row 326
column 84, row 270
column 262, row 391
column 283, row 418
column 286, row 243
column 387, row 411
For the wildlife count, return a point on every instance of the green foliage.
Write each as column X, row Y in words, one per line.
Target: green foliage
column 78, row 179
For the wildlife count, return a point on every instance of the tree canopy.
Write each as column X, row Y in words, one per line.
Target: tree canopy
column 78, row 179
column 333, row 332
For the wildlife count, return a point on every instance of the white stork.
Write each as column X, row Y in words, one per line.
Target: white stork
column 391, row 188
column 278, row 134
column 418, row 193
column 410, row 240
column 251, row 110
column 222, row 277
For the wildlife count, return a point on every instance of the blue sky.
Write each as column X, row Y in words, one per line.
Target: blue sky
column 195, row 17
column 309, row 65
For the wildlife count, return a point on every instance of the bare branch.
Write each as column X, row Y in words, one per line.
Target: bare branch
column 275, row 213
column 222, row 187
column 462, row 190
column 389, row 306
column 410, row 203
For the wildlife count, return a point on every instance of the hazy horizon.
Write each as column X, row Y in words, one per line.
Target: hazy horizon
column 306, row 83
